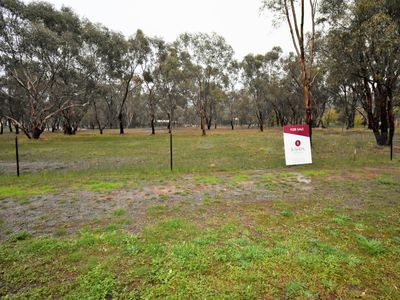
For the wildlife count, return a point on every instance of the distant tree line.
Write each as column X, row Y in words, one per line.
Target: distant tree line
column 61, row 72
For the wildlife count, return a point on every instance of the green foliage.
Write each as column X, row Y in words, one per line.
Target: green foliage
column 157, row 209
column 241, row 252
column 241, row 177
column 286, row 213
column 97, row 283
column 329, row 209
column 119, row 212
column 97, row 186
column 331, row 117
column 294, row 289
column 341, row 219
column 371, row 246
column 24, row 190
column 21, row 236
column 387, row 179
column 209, row 180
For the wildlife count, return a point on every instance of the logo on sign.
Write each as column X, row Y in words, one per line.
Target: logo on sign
column 297, row 143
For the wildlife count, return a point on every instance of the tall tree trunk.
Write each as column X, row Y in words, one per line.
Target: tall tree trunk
column 153, row 131
column 307, row 100
column 374, row 120
column 202, row 123
column 384, row 126
column 121, row 107
column 209, row 121
column 352, row 114
column 169, row 123
column 1, row 127
column 260, row 118
column 36, row 132
column 97, row 117
column 121, row 124
column 68, row 129
column 10, row 126
column 350, row 117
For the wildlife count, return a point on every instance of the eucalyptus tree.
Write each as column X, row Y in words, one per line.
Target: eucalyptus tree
column 206, row 56
column 342, row 89
column 294, row 12
column 123, row 59
column 37, row 44
column 13, row 103
column 93, row 59
column 217, row 97
column 242, row 104
column 292, row 89
column 368, row 36
column 173, row 85
column 258, row 71
column 152, row 76
column 232, row 87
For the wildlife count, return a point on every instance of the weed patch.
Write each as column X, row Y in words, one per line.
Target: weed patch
column 98, row 283
column 371, row 246
column 21, row 236
column 119, row 212
column 386, row 179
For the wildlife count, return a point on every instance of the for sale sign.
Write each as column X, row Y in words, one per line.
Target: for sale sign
column 297, row 144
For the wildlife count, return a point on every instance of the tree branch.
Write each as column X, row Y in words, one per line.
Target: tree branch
column 20, row 125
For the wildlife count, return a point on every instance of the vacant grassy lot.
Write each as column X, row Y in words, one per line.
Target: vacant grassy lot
column 102, row 217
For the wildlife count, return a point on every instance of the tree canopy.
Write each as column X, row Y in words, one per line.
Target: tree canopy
column 58, row 71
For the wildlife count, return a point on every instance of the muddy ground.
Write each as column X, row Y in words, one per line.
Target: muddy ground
column 70, row 210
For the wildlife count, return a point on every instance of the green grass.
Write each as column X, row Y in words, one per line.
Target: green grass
column 157, row 209
column 371, row 246
column 101, row 186
column 387, row 179
column 235, row 223
column 24, row 190
column 119, row 212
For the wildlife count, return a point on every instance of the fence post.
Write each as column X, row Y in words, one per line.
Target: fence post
column 391, row 148
column 170, row 149
column 17, row 154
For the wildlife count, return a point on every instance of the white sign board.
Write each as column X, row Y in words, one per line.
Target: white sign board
column 297, row 144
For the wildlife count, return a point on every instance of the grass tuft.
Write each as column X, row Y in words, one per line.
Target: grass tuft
column 295, row 289
column 21, row 236
column 98, row 283
column 119, row 212
column 387, row 179
column 286, row 213
column 371, row 246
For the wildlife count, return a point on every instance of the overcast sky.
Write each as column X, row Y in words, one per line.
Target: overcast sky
column 238, row 21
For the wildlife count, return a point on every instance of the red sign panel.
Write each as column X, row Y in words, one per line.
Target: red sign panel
column 303, row 130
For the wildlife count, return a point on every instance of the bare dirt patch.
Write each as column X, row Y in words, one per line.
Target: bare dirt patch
column 33, row 166
column 71, row 210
